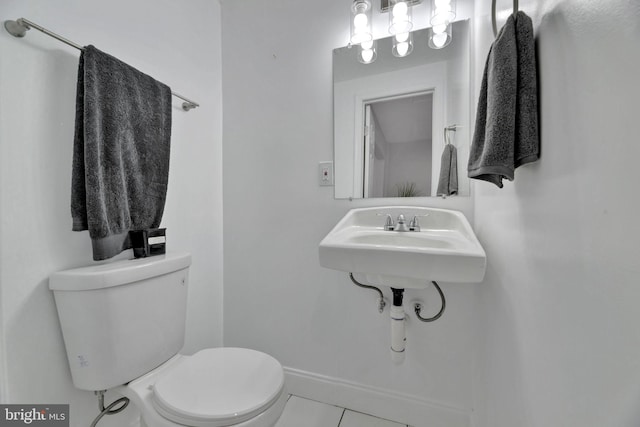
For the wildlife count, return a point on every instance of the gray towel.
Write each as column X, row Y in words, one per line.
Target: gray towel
column 527, row 146
column 506, row 131
column 448, row 180
column 121, row 152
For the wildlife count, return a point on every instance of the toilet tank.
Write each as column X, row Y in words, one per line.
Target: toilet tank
column 121, row 319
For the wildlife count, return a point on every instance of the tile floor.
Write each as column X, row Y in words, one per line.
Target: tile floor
column 301, row 412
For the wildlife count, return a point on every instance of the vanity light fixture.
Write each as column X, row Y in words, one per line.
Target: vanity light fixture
column 443, row 12
column 367, row 52
column 361, row 21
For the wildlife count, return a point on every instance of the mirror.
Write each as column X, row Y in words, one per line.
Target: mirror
column 390, row 117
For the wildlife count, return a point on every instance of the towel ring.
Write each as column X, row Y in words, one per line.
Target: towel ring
column 493, row 15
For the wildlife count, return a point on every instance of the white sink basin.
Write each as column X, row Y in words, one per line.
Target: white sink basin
column 445, row 249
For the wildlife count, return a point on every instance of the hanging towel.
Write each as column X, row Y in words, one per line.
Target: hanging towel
column 527, row 146
column 506, row 130
column 448, row 180
column 121, row 152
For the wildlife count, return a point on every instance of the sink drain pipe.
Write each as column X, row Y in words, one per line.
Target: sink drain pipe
column 398, row 336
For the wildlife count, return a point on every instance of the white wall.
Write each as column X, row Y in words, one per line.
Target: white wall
column 406, row 163
column 558, row 342
column 177, row 43
column 278, row 124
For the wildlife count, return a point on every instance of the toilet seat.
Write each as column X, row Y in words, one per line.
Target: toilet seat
column 218, row 387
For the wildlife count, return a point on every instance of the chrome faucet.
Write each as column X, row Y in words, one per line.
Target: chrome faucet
column 401, row 224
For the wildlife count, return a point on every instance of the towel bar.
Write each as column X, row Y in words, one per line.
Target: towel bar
column 19, row 28
column 493, row 15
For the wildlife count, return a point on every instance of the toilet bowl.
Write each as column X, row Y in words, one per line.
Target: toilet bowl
column 216, row 387
column 124, row 324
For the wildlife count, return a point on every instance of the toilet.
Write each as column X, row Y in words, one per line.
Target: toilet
column 123, row 325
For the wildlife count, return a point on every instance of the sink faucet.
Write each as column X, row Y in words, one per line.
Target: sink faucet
column 401, row 224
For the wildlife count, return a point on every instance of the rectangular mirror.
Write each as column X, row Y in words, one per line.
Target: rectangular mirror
column 390, row 117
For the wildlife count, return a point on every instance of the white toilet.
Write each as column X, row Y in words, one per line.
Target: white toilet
column 123, row 324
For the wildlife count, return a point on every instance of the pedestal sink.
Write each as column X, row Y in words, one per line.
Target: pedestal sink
column 445, row 249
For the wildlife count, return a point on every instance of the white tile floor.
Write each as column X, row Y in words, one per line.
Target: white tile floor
column 301, row 412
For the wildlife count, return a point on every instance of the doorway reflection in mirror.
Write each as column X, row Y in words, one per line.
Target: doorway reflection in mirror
column 398, row 151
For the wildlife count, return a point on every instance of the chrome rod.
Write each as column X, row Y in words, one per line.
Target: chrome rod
column 28, row 25
column 493, row 18
column 19, row 28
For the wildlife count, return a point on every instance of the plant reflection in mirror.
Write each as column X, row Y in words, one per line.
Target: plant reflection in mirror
column 407, row 189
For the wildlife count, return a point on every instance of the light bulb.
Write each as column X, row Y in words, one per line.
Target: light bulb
column 439, row 29
column 439, row 39
column 438, row 20
column 367, row 45
column 442, row 12
column 402, row 48
column 402, row 37
column 400, row 18
column 400, row 25
column 367, row 55
column 361, row 32
column 400, row 9
column 360, row 21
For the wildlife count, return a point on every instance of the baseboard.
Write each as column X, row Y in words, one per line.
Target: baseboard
column 400, row 407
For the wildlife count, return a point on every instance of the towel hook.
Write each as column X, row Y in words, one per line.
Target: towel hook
column 493, row 15
column 450, row 128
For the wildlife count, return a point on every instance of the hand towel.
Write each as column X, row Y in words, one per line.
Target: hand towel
column 506, row 130
column 121, row 151
column 527, row 146
column 448, row 180
column 491, row 155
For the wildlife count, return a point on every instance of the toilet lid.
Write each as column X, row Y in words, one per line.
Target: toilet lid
column 219, row 387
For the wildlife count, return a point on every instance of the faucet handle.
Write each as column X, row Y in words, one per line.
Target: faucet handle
column 389, row 224
column 414, row 225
